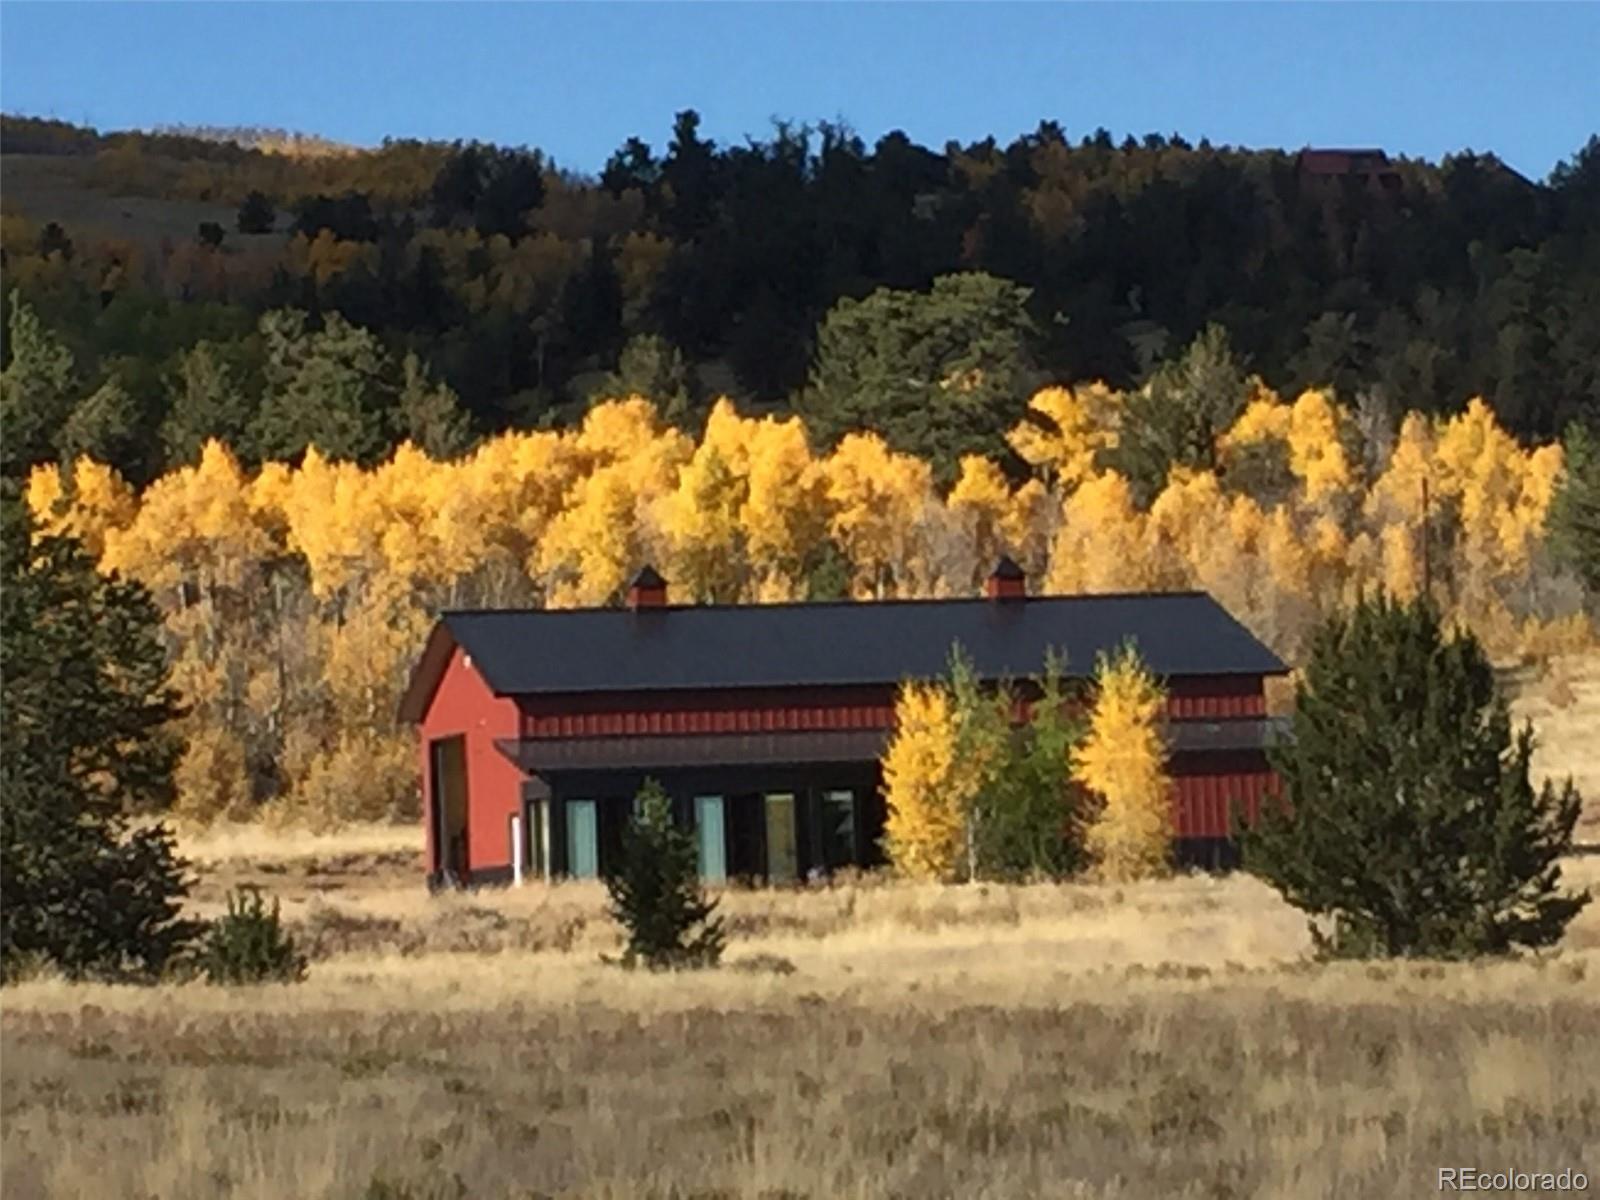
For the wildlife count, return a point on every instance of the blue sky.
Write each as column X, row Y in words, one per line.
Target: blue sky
column 577, row 79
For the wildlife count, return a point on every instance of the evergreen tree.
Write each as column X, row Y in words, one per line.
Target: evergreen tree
column 332, row 389
column 1176, row 418
column 429, row 414
column 87, row 739
column 36, row 390
column 652, row 367
column 1409, row 823
column 206, row 402
column 256, row 214
column 941, row 374
column 103, row 426
column 656, row 896
column 1575, row 511
column 1029, row 825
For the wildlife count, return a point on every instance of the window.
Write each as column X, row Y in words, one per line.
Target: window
column 782, row 856
column 711, row 838
column 837, row 816
column 583, row 840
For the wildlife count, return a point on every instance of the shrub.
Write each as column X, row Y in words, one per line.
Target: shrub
column 656, row 896
column 249, row 944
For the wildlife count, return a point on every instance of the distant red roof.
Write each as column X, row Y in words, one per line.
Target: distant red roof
column 1344, row 162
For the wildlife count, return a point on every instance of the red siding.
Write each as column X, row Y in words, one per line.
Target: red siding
column 762, row 710
column 463, row 704
column 1205, row 784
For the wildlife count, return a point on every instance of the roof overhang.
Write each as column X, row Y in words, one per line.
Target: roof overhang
column 545, row 755
column 801, row 747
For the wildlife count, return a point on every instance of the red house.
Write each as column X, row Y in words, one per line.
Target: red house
column 765, row 723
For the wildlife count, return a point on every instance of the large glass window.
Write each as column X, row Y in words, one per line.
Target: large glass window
column 583, row 839
column 712, row 838
column 782, row 854
column 837, row 817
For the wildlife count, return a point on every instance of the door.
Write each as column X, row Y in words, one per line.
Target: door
column 583, row 840
column 711, row 837
column 782, row 857
column 449, row 771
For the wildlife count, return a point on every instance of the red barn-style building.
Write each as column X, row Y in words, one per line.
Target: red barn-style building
column 765, row 723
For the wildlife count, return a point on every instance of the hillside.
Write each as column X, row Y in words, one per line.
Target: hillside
column 62, row 188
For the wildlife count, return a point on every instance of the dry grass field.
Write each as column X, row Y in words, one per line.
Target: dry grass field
column 862, row 1040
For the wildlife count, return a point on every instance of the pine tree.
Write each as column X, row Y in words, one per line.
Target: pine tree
column 1030, row 824
column 36, row 390
column 1409, row 823
column 656, row 897
column 1123, row 761
column 85, row 740
column 1575, row 514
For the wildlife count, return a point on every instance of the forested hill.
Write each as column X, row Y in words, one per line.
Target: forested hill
column 165, row 288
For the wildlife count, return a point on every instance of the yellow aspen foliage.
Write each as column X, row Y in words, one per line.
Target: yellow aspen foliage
column 701, row 523
column 880, row 501
column 1397, row 493
column 1100, row 545
column 213, row 777
column 369, row 654
column 1029, row 526
column 334, row 522
column 786, row 512
column 1317, row 435
column 980, row 503
column 1401, row 561
column 1065, row 429
column 925, row 828
column 1313, row 432
column 511, row 488
column 1265, row 418
column 195, row 524
column 594, row 545
column 93, row 504
column 1122, row 760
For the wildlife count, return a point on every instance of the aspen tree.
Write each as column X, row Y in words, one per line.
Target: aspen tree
column 1123, row 761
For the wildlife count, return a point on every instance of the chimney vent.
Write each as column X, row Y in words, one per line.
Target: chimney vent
column 648, row 590
column 1006, row 582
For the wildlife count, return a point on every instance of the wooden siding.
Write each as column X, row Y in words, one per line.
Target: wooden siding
column 1206, row 785
column 463, row 704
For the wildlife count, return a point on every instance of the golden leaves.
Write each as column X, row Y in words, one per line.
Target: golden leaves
column 1122, row 760
column 925, row 827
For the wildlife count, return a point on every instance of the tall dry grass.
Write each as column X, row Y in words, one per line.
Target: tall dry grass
column 865, row 1040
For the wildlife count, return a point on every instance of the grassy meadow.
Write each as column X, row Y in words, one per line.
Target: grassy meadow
column 1168, row 1039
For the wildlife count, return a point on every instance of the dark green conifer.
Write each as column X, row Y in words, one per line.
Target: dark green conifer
column 656, row 896
column 1409, row 824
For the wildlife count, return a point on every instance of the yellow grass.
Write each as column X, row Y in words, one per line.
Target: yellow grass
column 261, row 843
column 1165, row 1039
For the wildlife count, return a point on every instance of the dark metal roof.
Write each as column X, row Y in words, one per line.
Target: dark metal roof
column 766, row 645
